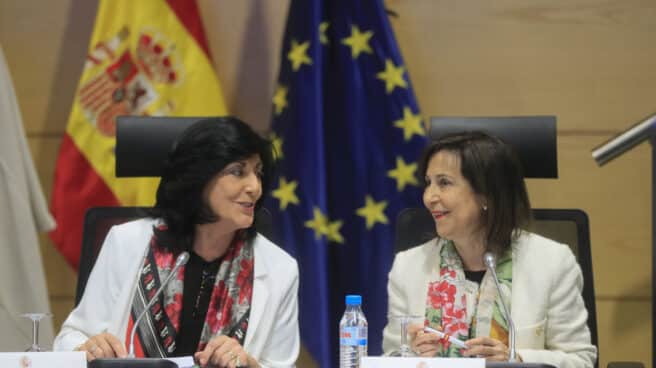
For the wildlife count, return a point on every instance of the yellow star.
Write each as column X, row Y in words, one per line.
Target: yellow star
column 333, row 232
column 393, row 76
column 276, row 146
column 285, row 193
column 373, row 212
column 323, row 26
column 319, row 223
column 298, row 54
column 411, row 124
column 280, row 99
column 358, row 41
column 404, row 174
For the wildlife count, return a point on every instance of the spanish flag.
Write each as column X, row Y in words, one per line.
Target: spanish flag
column 145, row 58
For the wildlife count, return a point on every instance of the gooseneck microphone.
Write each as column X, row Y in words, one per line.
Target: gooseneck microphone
column 182, row 259
column 491, row 264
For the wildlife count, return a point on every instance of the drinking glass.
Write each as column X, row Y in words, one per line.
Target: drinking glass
column 35, row 318
column 404, row 350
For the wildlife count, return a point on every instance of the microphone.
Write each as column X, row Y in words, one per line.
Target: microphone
column 491, row 264
column 131, row 361
column 182, row 259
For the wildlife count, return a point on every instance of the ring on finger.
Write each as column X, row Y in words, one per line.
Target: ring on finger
column 238, row 362
column 93, row 348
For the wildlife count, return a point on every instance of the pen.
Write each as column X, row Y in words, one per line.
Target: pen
column 455, row 341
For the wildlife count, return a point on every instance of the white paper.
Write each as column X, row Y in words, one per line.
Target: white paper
column 183, row 362
column 390, row 362
column 74, row 359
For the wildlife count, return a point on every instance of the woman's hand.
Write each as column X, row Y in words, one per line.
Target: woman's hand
column 225, row 352
column 488, row 348
column 104, row 345
column 422, row 343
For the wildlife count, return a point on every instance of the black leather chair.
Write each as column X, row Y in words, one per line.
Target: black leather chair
column 415, row 226
column 98, row 221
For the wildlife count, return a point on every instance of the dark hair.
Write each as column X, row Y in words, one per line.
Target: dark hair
column 493, row 170
column 200, row 152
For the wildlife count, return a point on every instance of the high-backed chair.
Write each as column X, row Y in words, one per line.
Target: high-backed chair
column 142, row 145
column 415, row 226
column 97, row 222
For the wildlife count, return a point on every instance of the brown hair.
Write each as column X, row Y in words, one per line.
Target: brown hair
column 492, row 169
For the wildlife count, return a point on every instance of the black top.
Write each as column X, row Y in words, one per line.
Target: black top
column 476, row 276
column 199, row 277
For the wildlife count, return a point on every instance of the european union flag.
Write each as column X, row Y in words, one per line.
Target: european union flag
column 347, row 130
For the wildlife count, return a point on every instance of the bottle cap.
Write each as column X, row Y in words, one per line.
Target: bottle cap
column 353, row 300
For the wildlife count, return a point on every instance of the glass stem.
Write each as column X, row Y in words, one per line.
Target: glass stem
column 404, row 337
column 35, row 334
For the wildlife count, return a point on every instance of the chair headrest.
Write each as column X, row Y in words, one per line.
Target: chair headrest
column 532, row 137
column 143, row 143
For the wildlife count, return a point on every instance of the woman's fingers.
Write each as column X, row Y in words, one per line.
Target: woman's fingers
column 103, row 350
column 222, row 351
column 104, row 345
column 425, row 343
column 488, row 348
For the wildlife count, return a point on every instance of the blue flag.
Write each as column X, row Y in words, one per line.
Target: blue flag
column 347, row 131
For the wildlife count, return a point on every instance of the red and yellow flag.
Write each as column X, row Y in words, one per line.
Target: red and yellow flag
column 145, row 58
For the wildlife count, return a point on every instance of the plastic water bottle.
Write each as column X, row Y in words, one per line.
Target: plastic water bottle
column 353, row 333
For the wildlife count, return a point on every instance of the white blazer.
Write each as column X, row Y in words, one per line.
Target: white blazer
column 547, row 307
column 272, row 337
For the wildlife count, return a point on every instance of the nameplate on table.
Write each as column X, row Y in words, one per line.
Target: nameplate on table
column 394, row 362
column 72, row 359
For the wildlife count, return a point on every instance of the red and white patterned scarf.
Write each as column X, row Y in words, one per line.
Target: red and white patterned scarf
column 228, row 310
column 463, row 309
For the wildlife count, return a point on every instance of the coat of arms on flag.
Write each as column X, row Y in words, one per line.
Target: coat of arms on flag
column 145, row 58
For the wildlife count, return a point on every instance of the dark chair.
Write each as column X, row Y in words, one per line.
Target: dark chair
column 415, row 226
column 98, row 221
column 533, row 138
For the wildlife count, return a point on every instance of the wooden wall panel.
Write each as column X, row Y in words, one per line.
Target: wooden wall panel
column 45, row 45
column 589, row 62
column 61, row 278
column 627, row 328
column 60, row 306
column 245, row 39
column 613, row 196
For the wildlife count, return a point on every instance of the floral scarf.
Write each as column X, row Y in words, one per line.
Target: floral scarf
column 461, row 308
column 228, row 310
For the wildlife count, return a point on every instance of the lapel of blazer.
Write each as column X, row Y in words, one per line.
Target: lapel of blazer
column 260, row 298
column 428, row 270
column 517, row 269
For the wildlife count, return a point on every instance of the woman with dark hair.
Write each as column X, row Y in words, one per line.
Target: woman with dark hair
column 476, row 193
column 234, row 304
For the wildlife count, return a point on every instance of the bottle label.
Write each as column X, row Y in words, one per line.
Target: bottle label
column 353, row 336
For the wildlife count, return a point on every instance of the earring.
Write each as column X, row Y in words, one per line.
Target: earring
column 484, row 207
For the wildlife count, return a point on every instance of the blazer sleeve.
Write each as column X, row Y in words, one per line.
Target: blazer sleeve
column 567, row 340
column 93, row 314
column 397, row 304
column 284, row 345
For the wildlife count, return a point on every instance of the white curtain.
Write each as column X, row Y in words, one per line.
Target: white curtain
column 23, row 212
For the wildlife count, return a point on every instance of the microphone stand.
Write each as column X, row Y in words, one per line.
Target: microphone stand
column 491, row 264
column 181, row 260
column 131, row 361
